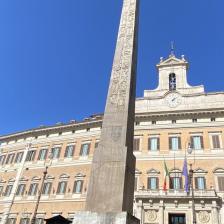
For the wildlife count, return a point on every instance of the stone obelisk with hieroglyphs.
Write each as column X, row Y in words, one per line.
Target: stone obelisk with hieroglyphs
column 111, row 186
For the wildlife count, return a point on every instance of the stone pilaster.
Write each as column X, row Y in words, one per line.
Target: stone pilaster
column 161, row 212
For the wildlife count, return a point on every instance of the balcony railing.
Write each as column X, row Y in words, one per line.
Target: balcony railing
column 174, row 193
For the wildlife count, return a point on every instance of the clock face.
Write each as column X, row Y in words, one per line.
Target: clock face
column 173, row 99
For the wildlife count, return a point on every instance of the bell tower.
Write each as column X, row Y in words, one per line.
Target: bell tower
column 172, row 74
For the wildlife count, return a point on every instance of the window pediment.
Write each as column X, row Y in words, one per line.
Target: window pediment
column 153, row 171
column 218, row 171
column 200, row 170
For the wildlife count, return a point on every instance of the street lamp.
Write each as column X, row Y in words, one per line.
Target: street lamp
column 39, row 196
column 40, row 191
column 191, row 172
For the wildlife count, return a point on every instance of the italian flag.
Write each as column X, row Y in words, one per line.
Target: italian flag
column 166, row 174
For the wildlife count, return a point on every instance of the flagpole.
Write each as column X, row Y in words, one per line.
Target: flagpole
column 191, row 172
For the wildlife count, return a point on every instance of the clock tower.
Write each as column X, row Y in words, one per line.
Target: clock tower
column 172, row 74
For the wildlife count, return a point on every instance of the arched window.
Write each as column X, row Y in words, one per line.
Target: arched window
column 172, row 81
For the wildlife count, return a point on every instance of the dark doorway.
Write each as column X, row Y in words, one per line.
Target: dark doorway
column 177, row 219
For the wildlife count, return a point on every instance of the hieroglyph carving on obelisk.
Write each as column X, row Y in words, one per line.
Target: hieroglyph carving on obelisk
column 111, row 185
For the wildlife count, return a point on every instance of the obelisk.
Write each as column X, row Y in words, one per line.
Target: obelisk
column 111, row 186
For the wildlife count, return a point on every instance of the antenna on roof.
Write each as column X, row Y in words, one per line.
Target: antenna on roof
column 172, row 48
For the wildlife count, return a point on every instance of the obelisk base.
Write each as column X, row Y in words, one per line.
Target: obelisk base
column 86, row 217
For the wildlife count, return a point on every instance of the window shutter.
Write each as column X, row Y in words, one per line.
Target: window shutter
column 171, row 182
column 66, row 152
column 136, row 183
column 149, row 183
column 179, row 143
column 73, row 149
column 136, row 144
column 192, row 142
column 88, row 149
column 196, row 182
column 157, row 183
column 33, row 153
column 74, row 187
column 81, row 186
column 59, row 152
column 158, row 143
column 215, row 141
column 80, row 153
column 202, row 142
column 149, row 144
column 204, row 182
column 59, row 187
column 170, row 143
column 180, row 179
column 221, row 183
column 65, row 187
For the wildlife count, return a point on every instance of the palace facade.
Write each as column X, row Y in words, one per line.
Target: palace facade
column 172, row 122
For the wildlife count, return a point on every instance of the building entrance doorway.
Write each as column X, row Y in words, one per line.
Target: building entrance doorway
column 177, row 218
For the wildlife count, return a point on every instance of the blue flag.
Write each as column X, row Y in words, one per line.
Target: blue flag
column 185, row 174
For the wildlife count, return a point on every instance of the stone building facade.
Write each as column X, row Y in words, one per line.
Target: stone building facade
column 169, row 120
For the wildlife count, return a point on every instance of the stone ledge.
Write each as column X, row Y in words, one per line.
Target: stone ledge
column 86, row 217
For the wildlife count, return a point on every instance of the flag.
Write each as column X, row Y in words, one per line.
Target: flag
column 185, row 174
column 166, row 174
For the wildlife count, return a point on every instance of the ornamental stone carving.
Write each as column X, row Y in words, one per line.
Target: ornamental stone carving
column 123, row 56
column 203, row 217
column 150, row 216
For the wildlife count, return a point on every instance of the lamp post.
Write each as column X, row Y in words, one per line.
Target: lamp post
column 191, row 178
column 191, row 172
column 39, row 196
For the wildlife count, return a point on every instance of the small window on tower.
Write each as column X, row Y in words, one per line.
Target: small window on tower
column 172, row 82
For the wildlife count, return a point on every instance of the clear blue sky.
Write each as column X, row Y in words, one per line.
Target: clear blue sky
column 56, row 55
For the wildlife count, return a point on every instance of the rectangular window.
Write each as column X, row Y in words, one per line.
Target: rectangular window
column 175, row 183
column 78, row 186
column 30, row 155
column 20, row 190
column 153, row 144
column 47, row 188
column 8, row 190
column 62, row 187
column 221, row 183
column 174, row 143
column 11, row 221
column 85, row 149
column 33, row 189
column 2, row 159
column 215, row 142
column 42, row 154
column 69, row 151
column 24, row 221
column 136, row 144
column 200, row 183
column 19, row 157
column 10, row 158
column 197, row 142
column 153, row 183
column 55, row 152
